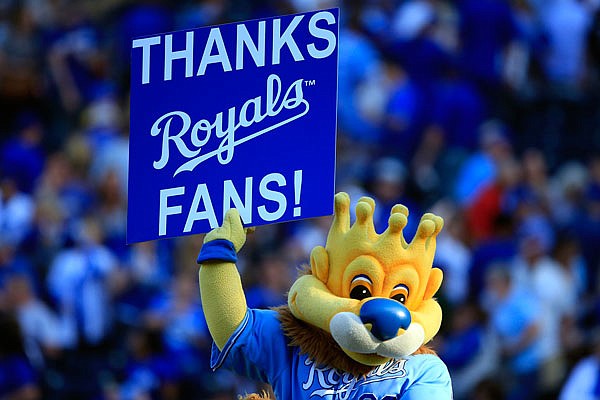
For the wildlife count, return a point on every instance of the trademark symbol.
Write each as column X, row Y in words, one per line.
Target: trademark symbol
column 310, row 82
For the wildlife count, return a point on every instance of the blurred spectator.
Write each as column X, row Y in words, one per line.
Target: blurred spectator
column 403, row 114
column 178, row 315
column 307, row 236
column 566, row 23
column 61, row 185
column 112, row 209
column 531, row 195
column 542, row 277
column 567, row 190
column 457, row 113
column 41, row 329
column 491, row 199
column 454, row 256
column 567, row 254
column 21, row 53
column 141, row 18
column 583, row 382
column 358, row 60
column 146, row 274
column 587, row 224
column 388, row 188
column 79, row 280
column 78, row 66
column 270, row 280
column 459, row 110
column 487, row 28
column 481, row 167
column 199, row 13
column 22, row 157
column 148, row 374
column 16, row 212
column 501, row 247
column 414, row 45
column 17, row 378
column 470, row 352
column 489, row 389
column 515, row 319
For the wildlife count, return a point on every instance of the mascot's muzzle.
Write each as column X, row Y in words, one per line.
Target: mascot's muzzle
column 386, row 317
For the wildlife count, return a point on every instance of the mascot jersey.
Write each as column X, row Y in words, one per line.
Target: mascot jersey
column 259, row 350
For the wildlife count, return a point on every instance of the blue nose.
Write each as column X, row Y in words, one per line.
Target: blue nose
column 386, row 317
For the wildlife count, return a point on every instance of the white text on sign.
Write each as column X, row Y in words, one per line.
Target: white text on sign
column 215, row 52
column 271, row 205
column 199, row 134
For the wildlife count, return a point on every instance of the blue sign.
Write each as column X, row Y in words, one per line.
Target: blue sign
column 238, row 115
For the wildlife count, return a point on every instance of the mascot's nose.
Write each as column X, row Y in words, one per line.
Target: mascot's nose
column 386, row 317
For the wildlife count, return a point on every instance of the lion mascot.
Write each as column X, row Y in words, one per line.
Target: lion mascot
column 357, row 320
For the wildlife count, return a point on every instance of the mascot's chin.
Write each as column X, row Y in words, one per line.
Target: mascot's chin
column 357, row 320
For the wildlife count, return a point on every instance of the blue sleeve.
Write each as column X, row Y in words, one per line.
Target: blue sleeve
column 217, row 250
column 257, row 349
column 433, row 382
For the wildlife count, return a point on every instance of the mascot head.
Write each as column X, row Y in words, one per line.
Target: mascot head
column 372, row 294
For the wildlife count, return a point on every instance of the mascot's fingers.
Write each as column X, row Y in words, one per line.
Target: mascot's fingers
column 237, row 233
column 232, row 230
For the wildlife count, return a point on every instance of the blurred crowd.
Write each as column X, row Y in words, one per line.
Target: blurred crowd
column 486, row 112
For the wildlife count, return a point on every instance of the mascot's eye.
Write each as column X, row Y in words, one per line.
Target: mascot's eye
column 360, row 292
column 400, row 293
column 401, row 297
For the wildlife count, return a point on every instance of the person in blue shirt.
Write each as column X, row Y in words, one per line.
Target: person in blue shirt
column 356, row 321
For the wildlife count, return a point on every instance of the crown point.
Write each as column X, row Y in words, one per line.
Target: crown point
column 341, row 218
column 342, row 202
column 426, row 228
column 439, row 224
column 368, row 200
column 437, row 221
column 342, row 196
column 364, row 211
column 397, row 222
column 400, row 208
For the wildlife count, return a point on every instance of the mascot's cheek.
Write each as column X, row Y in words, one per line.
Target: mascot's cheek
column 429, row 316
column 311, row 301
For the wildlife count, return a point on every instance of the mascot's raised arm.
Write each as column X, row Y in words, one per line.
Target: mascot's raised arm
column 357, row 320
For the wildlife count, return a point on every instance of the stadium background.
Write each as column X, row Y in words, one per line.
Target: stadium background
column 484, row 111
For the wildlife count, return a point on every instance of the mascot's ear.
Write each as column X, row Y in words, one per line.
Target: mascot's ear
column 434, row 283
column 319, row 263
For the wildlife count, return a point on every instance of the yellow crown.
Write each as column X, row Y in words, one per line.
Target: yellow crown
column 345, row 243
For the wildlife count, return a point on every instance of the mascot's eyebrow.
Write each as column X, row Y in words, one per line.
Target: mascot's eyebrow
column 362, row 277
column 401, row 286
